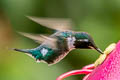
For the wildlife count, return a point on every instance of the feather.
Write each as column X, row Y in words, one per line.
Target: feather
column 53, row 23
column 38, row 38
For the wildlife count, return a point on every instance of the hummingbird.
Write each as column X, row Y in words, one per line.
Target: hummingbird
column 55, row 47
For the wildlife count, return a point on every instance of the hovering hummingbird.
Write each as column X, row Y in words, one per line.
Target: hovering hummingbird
column 54, row 48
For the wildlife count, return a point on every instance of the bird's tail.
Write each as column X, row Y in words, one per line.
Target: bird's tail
column 23, row 50
column 31, row 52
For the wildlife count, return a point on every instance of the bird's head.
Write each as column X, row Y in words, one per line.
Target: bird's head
column 85, row 41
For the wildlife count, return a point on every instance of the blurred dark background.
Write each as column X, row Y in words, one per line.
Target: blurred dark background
column 100, row 18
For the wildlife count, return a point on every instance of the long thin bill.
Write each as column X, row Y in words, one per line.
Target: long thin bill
column 99, row 50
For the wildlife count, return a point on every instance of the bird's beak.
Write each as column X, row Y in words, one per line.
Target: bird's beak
column 98, row 49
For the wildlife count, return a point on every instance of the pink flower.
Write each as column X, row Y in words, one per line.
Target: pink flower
column 108, row 70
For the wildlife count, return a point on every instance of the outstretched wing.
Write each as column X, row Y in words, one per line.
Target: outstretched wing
column 38, row 38
column 53, row 23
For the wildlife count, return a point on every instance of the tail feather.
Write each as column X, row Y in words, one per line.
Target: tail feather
column 31, row 52
column 22, row 50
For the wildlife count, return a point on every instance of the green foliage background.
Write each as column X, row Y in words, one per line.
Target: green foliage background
column 100, row 18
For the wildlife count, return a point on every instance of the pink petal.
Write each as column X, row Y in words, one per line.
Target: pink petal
column 74, row 72
column 110, row 68
column 90, row 66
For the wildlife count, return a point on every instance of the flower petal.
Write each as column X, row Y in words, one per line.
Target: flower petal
column 110, row 68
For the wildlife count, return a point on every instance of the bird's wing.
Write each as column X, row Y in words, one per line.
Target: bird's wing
column 53, row 23
column 38, row 38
